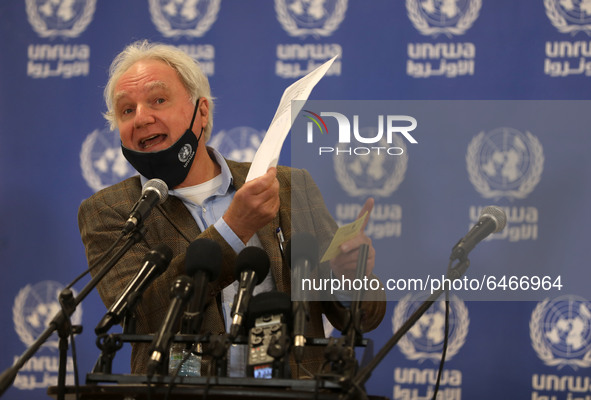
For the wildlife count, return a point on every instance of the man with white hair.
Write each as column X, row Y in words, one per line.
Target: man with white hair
column 160, row 100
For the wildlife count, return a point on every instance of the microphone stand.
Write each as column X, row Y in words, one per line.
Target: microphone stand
column 342, row 351
column 129, row 322
column 61, row 321
column 364, row 374
column 109, row 345
column 356, row 314
column 218, row 350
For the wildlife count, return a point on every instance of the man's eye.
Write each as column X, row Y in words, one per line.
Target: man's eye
column 127, row 111
column 160, row 100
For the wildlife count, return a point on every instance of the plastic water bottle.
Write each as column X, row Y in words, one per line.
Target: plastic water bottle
column 191, row 367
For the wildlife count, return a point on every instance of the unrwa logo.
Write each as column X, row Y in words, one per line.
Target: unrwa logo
column 448, row 17
column 68, row 18
column 310, row 17
column 424, row 341
column 560, row 332
column 505, row 162
column 569, row 16
column 376, row 174
column 184, row 17
column 101, row 160
column 34, row 308
column 239, row 144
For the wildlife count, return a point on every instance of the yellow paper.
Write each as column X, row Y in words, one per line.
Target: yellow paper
column 344, row 233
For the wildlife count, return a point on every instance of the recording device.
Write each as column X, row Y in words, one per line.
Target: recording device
column 269, row 317
column 252, row 266
column 203, row 262
column 492, row 219
column 180, row 293
column 154, row 264
column 155, row 191
column 302, row 251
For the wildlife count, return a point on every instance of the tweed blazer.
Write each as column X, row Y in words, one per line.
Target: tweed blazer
column 102, row 216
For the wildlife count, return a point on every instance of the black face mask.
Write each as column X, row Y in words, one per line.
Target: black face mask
column 172, row 165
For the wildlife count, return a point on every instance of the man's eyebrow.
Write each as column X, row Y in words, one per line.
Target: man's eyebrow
column 155, row 85
column 148, row 87
column 118, row 96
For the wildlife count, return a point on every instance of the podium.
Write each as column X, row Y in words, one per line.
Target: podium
column 134, row 387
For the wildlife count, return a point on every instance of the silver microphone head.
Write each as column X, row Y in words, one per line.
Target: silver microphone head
column 497, row 214
column 159, row 187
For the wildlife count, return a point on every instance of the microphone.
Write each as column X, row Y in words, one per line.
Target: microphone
column 203, row 262
column 154, row 264
column 180, row 293
column 252, row 266
column 492, row 219
column 154, row 192
column 302, row 251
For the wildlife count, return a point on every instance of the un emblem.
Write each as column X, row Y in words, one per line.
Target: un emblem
column 67, row 18
column 448, row 17
column 560, row 332
column 191, row 18
column 505, row 163
column 569, row 16
column 310, row 17
column 34, row 308
column 424, row 341
column 102, row 161
column 373, row 174
column 238, row 144
column 185, row 153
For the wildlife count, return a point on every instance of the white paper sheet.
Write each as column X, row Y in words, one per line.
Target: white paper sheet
column 267, row 154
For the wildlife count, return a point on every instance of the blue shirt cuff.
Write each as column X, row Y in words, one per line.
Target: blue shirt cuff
column 228, row 234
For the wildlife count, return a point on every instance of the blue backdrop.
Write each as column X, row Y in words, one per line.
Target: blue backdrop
column 57, row 150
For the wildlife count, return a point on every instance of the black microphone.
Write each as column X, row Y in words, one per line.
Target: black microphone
column 154, row 264
column 492, row 219
column 204, row 263
column 180, row 293
column 154, row 192
column 252, row 266
column 302, row 251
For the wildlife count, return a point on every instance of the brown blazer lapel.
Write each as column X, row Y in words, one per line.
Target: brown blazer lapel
column 180, row 218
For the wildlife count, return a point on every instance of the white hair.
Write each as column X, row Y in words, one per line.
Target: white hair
column 188, row 70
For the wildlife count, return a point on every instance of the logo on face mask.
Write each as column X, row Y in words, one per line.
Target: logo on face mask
column 186, row 153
